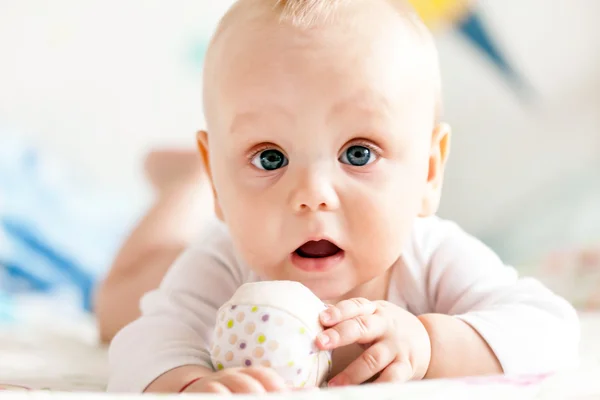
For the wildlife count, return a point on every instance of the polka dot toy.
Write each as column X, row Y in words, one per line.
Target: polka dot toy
column 274, row 325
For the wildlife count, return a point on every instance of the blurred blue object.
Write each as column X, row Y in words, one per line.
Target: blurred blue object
column 474, row 29
column 58, row 231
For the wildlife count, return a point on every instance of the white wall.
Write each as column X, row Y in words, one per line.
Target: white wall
column 506, row 153
column 100, row 82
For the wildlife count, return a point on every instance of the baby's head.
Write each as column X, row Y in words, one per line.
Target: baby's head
column 322, row 121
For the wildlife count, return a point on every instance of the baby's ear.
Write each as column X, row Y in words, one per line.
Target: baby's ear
column 440, row 149
column 202, row 141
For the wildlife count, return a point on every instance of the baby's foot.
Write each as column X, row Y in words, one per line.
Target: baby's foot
column 168, row 169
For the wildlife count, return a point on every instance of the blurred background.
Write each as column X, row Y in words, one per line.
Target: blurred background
column 87, row 88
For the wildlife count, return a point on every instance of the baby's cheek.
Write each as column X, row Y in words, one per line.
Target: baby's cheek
column 255, row 247
column 247, row 336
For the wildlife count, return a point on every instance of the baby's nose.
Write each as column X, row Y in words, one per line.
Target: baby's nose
column 314, row 192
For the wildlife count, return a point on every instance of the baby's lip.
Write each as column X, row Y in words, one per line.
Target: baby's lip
column 319, row 238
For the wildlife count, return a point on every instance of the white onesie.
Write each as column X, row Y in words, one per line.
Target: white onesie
column 442, row 270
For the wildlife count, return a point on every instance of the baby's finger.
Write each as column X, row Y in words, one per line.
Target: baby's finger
column 362, row 330
column 347, row 309
column 242, row 383
column 208, row 387
column 270, row 380
column 400, row 371
column 370, row 363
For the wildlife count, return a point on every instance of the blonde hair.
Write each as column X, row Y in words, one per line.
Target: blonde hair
column 310, row 12
column 307, row 12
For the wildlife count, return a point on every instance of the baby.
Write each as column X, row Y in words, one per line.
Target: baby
column 327, row 158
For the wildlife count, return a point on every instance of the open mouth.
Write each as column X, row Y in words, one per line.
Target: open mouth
column 318, row 249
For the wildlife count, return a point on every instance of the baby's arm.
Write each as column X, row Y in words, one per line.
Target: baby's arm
column 170, row 340
column 487, row 320
column 457, row 349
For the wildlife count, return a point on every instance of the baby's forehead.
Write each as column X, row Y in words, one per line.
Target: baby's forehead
column 255, row 27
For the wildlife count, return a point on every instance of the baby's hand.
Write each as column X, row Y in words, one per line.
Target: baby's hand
column 239, row 380
column 397, row 346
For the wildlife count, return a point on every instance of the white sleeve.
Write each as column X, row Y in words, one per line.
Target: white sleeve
column 177, row 318
column 530, row 329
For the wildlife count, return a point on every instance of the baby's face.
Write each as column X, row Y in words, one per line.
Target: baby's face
column 322, row 135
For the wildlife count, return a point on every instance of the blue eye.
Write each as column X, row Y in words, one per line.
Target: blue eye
column 358, row 156
column 270, row 160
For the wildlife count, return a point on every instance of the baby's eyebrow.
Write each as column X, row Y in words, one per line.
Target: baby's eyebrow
column 255, row 117
column 366, row 101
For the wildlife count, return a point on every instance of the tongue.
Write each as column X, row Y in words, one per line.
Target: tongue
column 320, row 249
